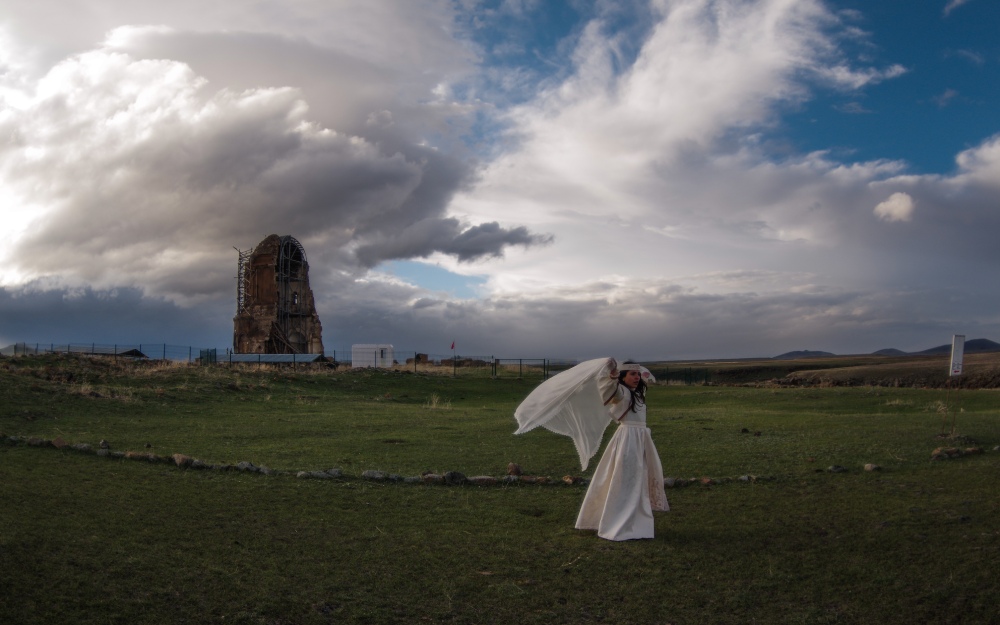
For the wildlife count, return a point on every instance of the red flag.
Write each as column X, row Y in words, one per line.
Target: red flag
column 453, row 344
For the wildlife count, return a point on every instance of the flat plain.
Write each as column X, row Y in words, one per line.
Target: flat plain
column 773, row 537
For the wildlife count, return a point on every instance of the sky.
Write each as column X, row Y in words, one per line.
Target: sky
column 646, row 179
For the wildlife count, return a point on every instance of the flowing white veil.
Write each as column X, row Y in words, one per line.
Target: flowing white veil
column 570, row 404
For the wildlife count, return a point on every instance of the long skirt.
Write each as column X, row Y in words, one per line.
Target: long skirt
column 626, row 489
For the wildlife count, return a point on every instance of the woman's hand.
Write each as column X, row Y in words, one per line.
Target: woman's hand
column 613, row 366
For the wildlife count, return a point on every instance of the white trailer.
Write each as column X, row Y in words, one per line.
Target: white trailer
column 372, row 355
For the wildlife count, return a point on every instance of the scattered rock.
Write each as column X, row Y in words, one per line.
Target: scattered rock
column 514, row 469
column 483, row 480
column 59, row 443
column 103, row 453
column 511, row 479
column 371, row 474
column 744, row 478
column 149, row 446
column 413, row 479
column 744, row 431
column 104, row 444
column 968, row 450
column 247, row 467
column 944, row 453
column 707, row 481
column 529, row 479
column 334, row 472
column 454, row 477
column 198, row 464
column 182, row 461
column 34, row 441
column 81, row 447
column 316, row 475
column 432, row 478
column 669, row 482
column 836, row 468
column 872, row 467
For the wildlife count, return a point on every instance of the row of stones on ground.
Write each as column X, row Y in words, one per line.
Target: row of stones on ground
column 947, row 453
column 514, row 475
column 450, row 478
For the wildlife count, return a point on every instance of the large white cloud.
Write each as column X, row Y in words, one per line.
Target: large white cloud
column 898, row 207
column 141, row 174
column 143, row 153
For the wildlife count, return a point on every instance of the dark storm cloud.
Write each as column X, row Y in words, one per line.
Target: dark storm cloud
column 448, row 237
column 651, row 322
column 39, row 313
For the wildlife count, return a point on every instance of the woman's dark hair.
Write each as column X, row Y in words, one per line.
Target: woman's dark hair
column 638, row 396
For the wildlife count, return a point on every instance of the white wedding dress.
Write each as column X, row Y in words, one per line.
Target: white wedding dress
column 627, row 486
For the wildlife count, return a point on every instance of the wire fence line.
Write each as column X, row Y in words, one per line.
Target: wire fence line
column 145, row 351
column 413, row 360
column 401, row 360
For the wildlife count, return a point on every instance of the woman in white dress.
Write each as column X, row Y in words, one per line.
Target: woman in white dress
column 627, row 486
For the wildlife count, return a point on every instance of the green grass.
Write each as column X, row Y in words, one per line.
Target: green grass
column 85, row 539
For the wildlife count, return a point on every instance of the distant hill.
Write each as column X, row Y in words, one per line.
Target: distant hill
column 889, row 352
column 974, row 346
column 802, row 354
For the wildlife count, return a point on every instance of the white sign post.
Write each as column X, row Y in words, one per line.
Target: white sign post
column 957, row 352
column 955, row 370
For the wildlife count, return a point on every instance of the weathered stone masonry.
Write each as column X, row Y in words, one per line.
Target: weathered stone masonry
column 275, row 310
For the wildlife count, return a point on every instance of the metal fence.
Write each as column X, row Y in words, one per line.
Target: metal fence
column 529, row 367
column 143, row 351
column 685, row 375
column 411, row 360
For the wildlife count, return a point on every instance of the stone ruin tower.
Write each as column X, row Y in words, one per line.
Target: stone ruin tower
column 275, row 311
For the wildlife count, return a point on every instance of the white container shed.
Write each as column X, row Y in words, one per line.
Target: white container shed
column 372, row 355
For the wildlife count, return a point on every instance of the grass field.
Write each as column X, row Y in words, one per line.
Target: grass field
column 85, row 539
